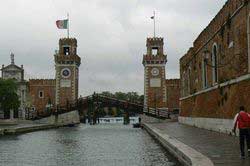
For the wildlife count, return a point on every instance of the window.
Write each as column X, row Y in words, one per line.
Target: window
column 154, row 50
column 215, row 63
column 189, row 80
column 41, row 94
column 204, row 73
column 183, row 84
column 66, row 50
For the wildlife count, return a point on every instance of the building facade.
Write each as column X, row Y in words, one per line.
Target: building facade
column 15, row 72
column 173, row 94
column 42, row 95
column 58, row 92
column 215, row 72
column 156, row 87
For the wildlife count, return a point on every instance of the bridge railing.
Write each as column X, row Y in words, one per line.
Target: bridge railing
column 157, row 112
column 136, row 107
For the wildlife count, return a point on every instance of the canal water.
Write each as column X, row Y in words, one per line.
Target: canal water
column 85, row 145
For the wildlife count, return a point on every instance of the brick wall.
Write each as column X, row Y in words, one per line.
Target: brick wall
column 173, row 93
column 226, row 37
column 221, row 102
column 156, row 94
column 47, row 86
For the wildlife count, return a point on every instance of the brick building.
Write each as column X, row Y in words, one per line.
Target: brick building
column 63, row 89
column 158, row 92
column 42, row 93
column 215, row 72
column 173, row 94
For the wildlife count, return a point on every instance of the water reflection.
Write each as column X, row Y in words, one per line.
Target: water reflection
column 104, row 145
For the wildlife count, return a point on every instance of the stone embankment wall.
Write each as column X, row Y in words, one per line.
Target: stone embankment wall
column 185, row 154
column 62, row 119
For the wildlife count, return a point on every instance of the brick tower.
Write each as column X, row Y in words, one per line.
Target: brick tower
column 154, row 75
column 67, row 63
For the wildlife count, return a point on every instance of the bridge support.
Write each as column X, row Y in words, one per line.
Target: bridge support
column 126, row 118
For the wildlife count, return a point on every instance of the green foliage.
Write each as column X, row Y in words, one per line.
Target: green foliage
column 120, row 95
column 130, row 96
column 108, row 94
column 8, row 96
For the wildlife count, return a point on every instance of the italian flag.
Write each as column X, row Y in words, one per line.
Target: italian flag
column 62, row 24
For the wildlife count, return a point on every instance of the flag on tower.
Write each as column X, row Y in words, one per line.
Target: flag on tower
column 153, row 17
column 62, row 24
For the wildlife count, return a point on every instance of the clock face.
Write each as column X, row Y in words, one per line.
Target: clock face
column 155, row 72
column 65, row 73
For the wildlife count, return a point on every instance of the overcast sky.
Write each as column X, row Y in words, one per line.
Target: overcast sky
column 111, row 36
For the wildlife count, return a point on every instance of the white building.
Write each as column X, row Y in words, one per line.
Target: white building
column 13, row 71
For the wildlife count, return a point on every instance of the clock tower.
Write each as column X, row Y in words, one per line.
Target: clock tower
column 154, row 61
column 67, row 64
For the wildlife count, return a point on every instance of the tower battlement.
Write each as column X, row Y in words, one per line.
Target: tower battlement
column 67, row 46
column 155, row 52
column 155, row 42
column 67, row 52
column 155, row 39
column 71, row 41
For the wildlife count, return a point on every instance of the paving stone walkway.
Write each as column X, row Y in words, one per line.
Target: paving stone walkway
column 222, row 149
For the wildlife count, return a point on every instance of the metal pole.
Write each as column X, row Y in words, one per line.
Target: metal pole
column 154, row 23
column 68, row 25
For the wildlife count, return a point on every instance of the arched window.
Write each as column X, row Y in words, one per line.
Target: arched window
column 189, row 80
column 183, row 84
column 215, row 63
column 248, row 38
column 204, row 73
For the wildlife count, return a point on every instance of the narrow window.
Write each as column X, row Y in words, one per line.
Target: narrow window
column 189, row 80
column 41, row 94
column 66, row 50
column 154, row 50
column 204, row 73
column 183, row 84
column 215, row 64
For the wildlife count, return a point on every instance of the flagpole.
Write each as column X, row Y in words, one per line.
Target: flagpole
column 154, row 23
column 68, row 25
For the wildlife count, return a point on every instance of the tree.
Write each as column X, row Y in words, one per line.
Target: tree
column 120, row 95
column 8, row 95
column 141, row 99
column 133, row 97
column 107, row 93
